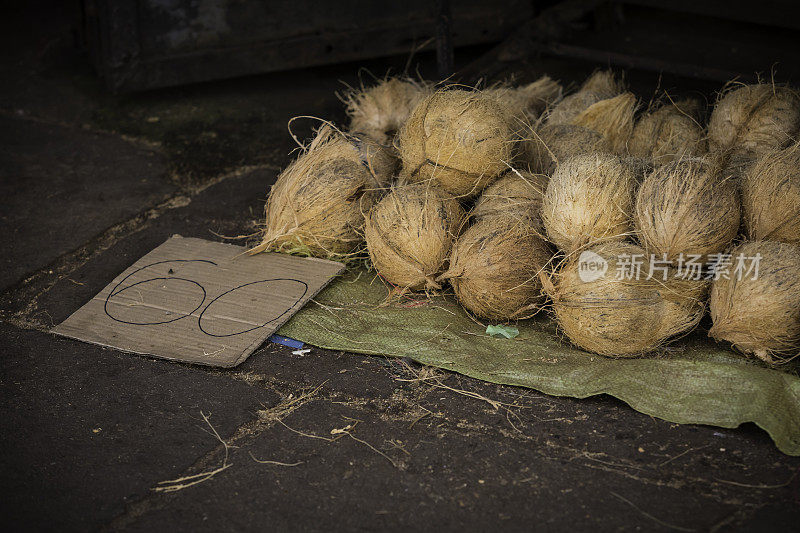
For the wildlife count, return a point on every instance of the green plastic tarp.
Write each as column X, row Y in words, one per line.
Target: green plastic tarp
column 692, row 381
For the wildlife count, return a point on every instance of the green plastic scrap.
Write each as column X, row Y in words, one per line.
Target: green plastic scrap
column 509, row 332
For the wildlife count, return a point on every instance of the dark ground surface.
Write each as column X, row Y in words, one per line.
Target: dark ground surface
column 90, row 182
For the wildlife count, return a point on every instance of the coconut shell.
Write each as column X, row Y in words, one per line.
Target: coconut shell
column 771, row 197
column 517, row 195
column 760, row 316
column 589, row 199
column 687, row 207
column 460, row 139
column 621, row 317
column 546, row 146
column 316, row 206
column 752, row 119
column 529, row 100
column 379, row 112
column 494, row 269
column 671, row 132
column 410, row 233
column 599, row 86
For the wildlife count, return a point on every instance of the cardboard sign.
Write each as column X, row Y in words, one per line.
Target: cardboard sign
column 199, row 301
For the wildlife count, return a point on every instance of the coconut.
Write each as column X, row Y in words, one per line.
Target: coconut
column 527, row 100
column 409, row 235
column 640, row 166
column 544, row 147
column 687, row 207
column 612, row 118
column 494, row 269
column 620, row 316
column 771, row 197
column 752, row 119
column 461, row 139
column 517, row 195
column 760, row 316
column 589, row 199
column 378, row 112
column 317, row 203
column 670, row 132
column 599, row 86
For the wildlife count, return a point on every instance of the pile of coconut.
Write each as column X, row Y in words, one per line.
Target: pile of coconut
column 631, row 225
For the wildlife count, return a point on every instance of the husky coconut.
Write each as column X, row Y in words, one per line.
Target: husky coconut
column 544, row 147
column 612, row 118
column 378, row 112
column 687, row 208
column 410, row 233
column 751, row 119
column 461, row 140
column 589, row 199
column 601, row 85
column 494, row 269
column 517, row 195
column 771, row 197
column 756, row 307
column 527, row 101
column 605, row 302
column 317, row 204
column 672, row 131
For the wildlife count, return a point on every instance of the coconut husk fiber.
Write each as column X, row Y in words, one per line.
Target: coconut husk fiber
column 687, row 207
column 494, row 269
column 517, row 195
column 410, row 233
column 589, row 199
column 752, row 119
column 601, row 85
column 316, row 206
column 670, row 132
column 771, row 197
column 616, row 316
column 544, row 147
column 760, row 316
column 640, row 166
column 612, row 118
column 462, row 140
column 529, row 100
column 379, row 112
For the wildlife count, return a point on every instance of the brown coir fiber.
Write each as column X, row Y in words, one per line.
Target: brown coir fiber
column 589, row 199
column 544, row 147
column 771, row 196
column 517, row 195
column 670, row 132
column 528, row 101
column 462, row 140
column 616, row 316
column 612, row 118
column 317, row 203
column 752, row 119
column 380, row 111
column 601, row 85
column 409, row 235
column 495, row 266
column 687, row 207
column 760, row 314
